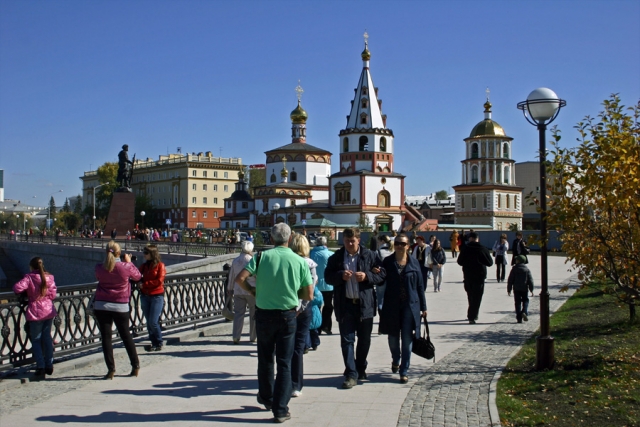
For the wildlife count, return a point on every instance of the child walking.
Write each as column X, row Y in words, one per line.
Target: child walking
column 520, row 280
column 41, row 290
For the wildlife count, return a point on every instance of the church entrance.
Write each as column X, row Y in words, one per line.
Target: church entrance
column 384, row 222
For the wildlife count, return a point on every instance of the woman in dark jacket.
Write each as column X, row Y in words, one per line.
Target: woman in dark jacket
column 404, row 304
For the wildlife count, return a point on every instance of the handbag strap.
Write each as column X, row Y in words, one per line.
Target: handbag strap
column 426, row 325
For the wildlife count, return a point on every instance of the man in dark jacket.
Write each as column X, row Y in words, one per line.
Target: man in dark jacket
column 520, row 280
column 354, row 272
column 474, row 259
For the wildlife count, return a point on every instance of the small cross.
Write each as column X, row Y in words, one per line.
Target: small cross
column 488, row 92
column 299, row 91
column 366, row 39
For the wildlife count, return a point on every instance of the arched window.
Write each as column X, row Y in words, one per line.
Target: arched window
column 484, row 200
column 363, row 119
column 474, row 174
column 294, row 176
column 384, row 199
column 273, row 177
column 473, row 201
column 364, row 103
column 345, row 145
column 508, row 200
column 499, row 174
column 505, row 150
column 364, row 143
column 507, row 173
column 474, row 151
column 293, row 202
column 499, row 201
column 383, row 144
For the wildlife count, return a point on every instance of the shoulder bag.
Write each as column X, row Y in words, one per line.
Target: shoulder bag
column 422, row 345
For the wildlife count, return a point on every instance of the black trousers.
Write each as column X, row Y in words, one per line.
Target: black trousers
column 500, row 268
column 327, row 310
column 474, row 296
column 106, row 319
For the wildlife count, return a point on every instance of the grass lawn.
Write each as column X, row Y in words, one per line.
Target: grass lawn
column 596, row 380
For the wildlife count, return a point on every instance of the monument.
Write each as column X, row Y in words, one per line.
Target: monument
column 122, row 212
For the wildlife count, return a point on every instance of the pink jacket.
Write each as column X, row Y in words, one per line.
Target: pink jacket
column 40, row 307
column 114, row 286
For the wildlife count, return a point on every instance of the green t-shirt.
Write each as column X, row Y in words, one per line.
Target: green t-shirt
column 280, row 275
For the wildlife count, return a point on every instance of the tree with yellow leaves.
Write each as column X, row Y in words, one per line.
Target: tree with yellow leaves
column 594, row 200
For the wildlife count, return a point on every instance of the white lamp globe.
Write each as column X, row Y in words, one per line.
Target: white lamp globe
column 542, row 104
column 276, row 206
column 143, row 213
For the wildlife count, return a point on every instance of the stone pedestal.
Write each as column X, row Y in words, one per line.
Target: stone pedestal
column 121, row 214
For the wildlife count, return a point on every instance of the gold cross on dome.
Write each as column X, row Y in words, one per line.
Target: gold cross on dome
column 299, row 91
column 366, row 39
column 488, row 92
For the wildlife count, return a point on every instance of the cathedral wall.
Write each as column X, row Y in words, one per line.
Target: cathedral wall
column 374, row 185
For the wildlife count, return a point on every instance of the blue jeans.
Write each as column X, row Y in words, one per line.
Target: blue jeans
column 276, row 331
column 40, row 334
column 302, row 335
column 351, row 325
column 522, row 303
column 152, row 308
column 380, row 294
column 402, row 356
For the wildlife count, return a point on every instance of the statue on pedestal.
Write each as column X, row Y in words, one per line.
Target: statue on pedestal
column 125, row 169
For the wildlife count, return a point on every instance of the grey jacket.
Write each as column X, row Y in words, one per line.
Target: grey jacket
column 520, row 279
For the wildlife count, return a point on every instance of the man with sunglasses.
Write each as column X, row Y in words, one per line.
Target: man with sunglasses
column 354, row 271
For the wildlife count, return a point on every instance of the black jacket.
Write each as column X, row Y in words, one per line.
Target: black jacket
column 475, row 259
column 520, row 279
column 411, row 280
column 439, row 257
column 333, row 276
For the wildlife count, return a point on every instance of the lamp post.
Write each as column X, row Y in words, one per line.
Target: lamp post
column 540, row 109
column 54, row 202
column 94, row 203
column 276, row 206
column 142, row 214
column 17, row 226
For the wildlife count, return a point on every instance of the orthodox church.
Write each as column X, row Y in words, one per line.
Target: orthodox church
column 488, row 195
column 300, row 189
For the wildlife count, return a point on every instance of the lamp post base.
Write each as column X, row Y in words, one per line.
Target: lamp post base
column 545, row 354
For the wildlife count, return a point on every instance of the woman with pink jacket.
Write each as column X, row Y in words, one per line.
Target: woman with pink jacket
column 112, row 305
column 41, row 290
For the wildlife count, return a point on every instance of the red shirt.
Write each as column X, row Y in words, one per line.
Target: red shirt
column 152, row 278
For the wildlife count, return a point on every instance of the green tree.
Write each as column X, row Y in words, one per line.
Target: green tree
column 52, row 207
column 66, row 207
column 77, row 205
column 143, row 203
column 595, row 200
column 107, row 173
column 70, row 220
column 364, row 223
column 257, row 178
column 442, row 195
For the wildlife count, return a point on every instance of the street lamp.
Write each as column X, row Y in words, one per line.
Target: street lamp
column 540, row 109
column 94, row 203
column 17, row 226
column 142, row 214
column 276, row 206
column 54, row 202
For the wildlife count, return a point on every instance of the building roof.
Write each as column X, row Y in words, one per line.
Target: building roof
column 299, row 147
column 487, row 127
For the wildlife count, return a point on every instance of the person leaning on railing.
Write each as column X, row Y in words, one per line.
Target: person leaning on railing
column 152, row 290
column 112, row 305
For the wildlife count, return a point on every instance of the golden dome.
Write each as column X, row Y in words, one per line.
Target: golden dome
column 487, row 127
column 366, row 55
column 299, row 115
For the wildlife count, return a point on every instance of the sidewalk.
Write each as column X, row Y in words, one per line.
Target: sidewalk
column 209, row 379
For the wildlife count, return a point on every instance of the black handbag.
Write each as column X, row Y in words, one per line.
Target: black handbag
column 422, row 345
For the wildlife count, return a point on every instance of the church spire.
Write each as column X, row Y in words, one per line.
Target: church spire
column 299, row 119
column 487, row 107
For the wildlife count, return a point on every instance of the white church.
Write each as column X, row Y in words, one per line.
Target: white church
column 300, row 188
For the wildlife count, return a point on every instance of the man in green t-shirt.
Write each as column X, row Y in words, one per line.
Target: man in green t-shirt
column 282, row 277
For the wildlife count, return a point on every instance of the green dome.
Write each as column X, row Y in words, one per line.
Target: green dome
column 299, row 115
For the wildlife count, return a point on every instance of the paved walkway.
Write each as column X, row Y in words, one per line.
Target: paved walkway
column 208, row 379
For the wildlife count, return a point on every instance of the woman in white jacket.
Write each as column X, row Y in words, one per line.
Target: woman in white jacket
column 241, row 298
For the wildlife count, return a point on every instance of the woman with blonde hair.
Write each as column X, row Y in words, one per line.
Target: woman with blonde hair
column 300, row 245
column 152, row 294
column 241, row 298
column 41, row 291
column 112, row 305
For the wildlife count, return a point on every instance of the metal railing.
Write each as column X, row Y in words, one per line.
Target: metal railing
column 164, row 246
column 190, row 299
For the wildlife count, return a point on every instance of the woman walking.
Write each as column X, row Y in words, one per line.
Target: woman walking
column 112, row 305
column 500, row 249
column 152, row 289
column 439, row 258
column 404, row 304
column 320, row 254
column 241, row 298
column 453, row 239
column 41, row 291
column 300, row 245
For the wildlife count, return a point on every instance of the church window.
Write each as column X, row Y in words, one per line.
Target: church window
column 293, row 202
column 364, row 103
column 294, row 176
column 462, row 202
column 265, row 206
column 245, row 205
column 345, row 145
column 484, row 201
column 508, row 200
column 474, row 151
column 505, row 150
column 499, row 201
column 384, row 199
column 364, row 143
column 383, row 144
column 474, row 174
column 499, row 174
column 363, row 119
column 506, row 174
column 342, row 192
column 364, row 90
column 273, row 177
column 473, row 201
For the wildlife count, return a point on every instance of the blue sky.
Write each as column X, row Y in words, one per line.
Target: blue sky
column 80, row 78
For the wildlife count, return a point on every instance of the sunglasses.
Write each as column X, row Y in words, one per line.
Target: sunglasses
column 399, row 243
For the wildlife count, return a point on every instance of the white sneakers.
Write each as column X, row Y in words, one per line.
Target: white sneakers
column 296, row 393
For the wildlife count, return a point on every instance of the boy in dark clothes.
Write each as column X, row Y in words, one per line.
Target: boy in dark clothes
column 520, row 280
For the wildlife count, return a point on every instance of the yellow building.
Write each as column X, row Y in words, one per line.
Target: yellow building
column 187, row 189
